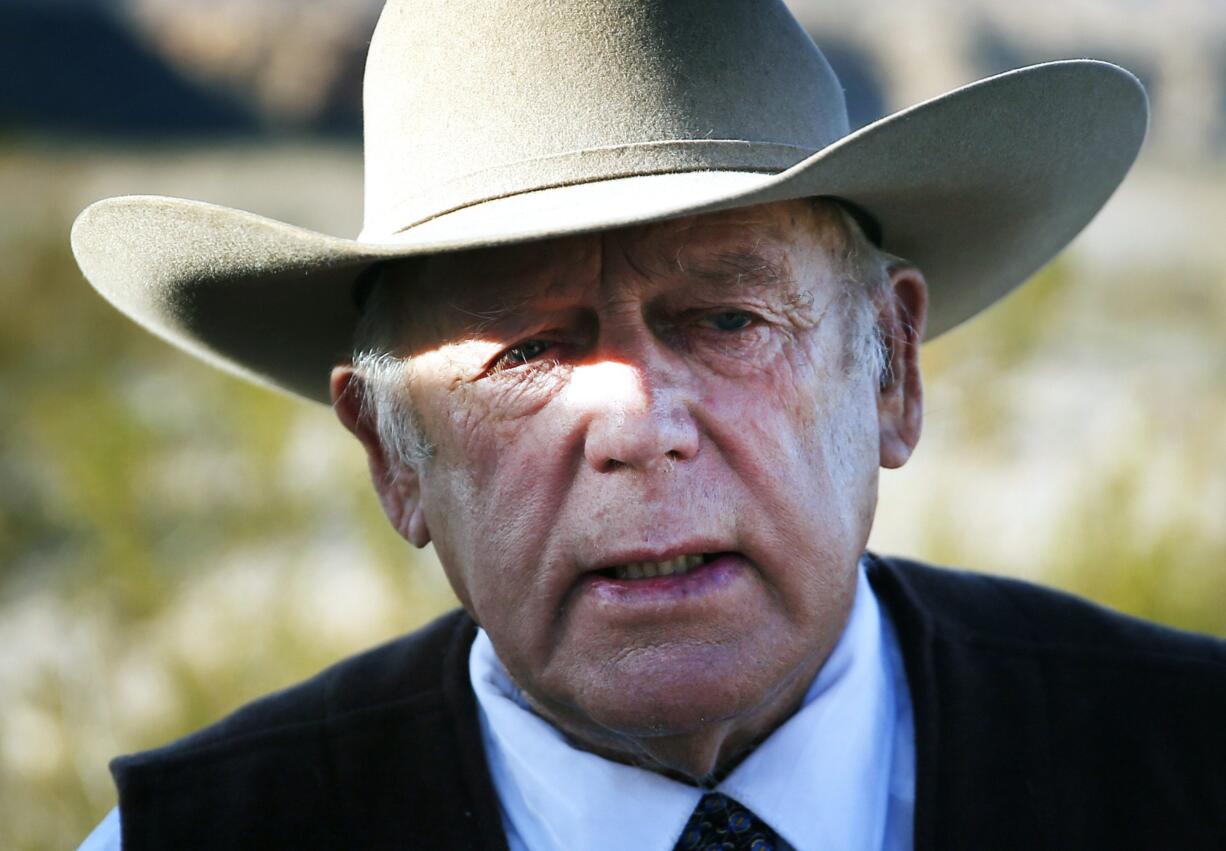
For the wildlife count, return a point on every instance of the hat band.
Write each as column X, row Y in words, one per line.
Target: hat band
column 584, row 166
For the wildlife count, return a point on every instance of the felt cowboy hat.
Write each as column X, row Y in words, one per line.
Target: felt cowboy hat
column 495, row 121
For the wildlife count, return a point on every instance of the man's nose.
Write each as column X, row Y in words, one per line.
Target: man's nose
column 637, row 416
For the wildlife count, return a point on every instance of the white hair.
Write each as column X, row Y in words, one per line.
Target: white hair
column 864, row 274
column 865, row 290
column 384, row 374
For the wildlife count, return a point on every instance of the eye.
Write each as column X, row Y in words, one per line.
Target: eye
column 521, row 353
column 731, row 320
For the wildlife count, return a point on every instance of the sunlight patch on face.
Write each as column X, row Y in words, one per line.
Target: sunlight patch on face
column 604, row 382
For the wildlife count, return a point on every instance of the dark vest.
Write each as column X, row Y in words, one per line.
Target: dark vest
column 1042, row 721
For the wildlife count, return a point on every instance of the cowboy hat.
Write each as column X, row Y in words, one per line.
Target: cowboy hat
column 500, row 121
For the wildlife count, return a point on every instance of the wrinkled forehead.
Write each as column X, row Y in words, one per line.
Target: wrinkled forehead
column 749, row 247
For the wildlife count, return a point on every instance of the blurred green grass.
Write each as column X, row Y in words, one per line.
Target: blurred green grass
column 174, row 542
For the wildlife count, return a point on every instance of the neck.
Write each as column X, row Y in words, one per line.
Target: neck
column 702, row 754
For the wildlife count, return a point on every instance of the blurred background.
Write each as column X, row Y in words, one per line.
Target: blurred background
column 174, row 542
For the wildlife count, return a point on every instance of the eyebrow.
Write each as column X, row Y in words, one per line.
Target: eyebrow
column 491, row 314
column 740, row 268
column 509, row 315
column 502, row 306
column 734, row 268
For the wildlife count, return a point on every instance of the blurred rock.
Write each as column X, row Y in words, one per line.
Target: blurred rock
column 297, row 62
column 75, row 67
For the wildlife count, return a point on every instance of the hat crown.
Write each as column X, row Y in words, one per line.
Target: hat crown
column 470, row 100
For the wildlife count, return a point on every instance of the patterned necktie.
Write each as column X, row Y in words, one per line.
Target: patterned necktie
column 721, row 824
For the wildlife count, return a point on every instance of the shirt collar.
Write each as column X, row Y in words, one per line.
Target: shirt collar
column 821, row 780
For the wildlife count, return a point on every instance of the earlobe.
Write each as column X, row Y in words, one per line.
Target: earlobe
column 401, row 499
column 396, row 484
column 417, row 533
column 900, row 392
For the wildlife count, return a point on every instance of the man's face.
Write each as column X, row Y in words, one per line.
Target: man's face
column 678, row 391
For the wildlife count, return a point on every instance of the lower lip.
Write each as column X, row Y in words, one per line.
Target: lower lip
column 704, row 579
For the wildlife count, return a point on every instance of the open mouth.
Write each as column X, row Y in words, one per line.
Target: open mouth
column 651, row 569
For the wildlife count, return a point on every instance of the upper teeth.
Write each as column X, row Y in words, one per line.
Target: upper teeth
column 650, row 569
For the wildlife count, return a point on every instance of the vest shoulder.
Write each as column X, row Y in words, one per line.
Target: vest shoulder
column 1012, row 615
column 400, row 673
column 1044, row 720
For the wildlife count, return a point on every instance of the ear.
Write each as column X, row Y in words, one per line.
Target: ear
column 396, row 483
column 900, row 399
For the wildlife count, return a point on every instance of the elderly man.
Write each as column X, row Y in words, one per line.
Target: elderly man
column 627, row 337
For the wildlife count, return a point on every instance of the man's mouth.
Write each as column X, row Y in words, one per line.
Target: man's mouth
column 643, row 590
column 652, row 569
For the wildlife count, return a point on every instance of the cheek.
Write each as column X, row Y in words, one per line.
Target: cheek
column 488, row 493
column 788, row 409
column 834, row 411
column 489, row 541
column 803, row 440
column 470, row 431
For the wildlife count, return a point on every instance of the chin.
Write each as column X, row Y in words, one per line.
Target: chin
column 667, row 692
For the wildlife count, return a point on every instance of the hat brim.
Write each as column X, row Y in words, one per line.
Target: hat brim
column 979, row 188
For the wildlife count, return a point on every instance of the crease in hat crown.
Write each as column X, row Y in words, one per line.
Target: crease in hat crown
column 467, row 102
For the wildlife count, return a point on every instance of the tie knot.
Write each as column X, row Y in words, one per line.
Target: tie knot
column 721, row 824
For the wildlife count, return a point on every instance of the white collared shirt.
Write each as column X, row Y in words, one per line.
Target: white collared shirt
column 839, row 774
